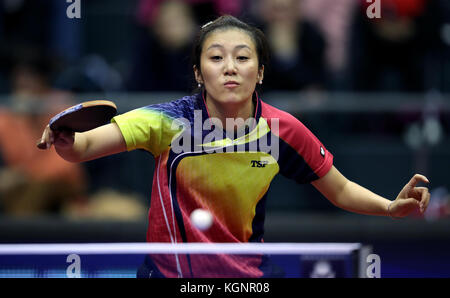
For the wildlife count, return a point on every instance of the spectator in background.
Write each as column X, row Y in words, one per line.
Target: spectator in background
column 296, row 45
column 163, row 49
column 43, row 23
column 33, row 182
column 388, row 52
column 334, row 18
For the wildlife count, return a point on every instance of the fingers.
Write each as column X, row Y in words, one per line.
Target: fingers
column 41, row 145
column 416, row 179
column 422, row 197
column 421, row 194
column 425, row 199
column 46, row 140
column 417, row 193
column 61, row 139
column 414, row 197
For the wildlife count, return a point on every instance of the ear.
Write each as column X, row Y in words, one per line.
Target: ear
column 198, row 75
column 261, row 73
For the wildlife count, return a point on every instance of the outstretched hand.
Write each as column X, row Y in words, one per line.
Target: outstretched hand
column 61, row 139
column 410, row 198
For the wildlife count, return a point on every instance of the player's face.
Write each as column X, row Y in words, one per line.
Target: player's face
column 229, row 67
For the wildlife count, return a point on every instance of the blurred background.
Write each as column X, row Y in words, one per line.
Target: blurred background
column 376, row 92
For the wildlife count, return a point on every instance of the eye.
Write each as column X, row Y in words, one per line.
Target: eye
column 242, row 58
column 216, row 58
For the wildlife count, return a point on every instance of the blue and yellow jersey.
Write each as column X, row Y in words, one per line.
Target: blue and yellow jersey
column 199, row 165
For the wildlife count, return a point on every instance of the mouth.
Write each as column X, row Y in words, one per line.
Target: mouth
column 231, row 84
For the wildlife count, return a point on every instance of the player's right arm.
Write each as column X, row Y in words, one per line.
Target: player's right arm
column 79, row 147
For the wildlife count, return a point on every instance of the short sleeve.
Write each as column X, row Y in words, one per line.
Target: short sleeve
column 302, row 157
column 147, row 128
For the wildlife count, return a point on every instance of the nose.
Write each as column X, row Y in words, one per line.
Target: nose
column 230, row 67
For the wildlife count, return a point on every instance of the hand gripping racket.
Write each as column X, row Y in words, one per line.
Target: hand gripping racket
column 82, row 117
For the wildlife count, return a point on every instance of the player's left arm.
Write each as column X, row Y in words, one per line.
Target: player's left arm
column 353, row 197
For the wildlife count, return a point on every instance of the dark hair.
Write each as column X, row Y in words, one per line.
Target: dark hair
column 230, row 22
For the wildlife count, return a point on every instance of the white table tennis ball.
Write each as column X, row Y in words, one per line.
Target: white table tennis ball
column 201, row 219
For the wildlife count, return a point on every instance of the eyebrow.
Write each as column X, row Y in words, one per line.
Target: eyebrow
column 216, row 45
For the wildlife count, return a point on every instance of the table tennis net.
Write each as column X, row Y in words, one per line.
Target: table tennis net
column 186, row 260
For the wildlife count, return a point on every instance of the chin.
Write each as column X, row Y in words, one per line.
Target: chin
column 231, row 97
column 234, row 98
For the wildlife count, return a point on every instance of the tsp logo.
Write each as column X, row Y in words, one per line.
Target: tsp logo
column 74, row 9
column 259, row 163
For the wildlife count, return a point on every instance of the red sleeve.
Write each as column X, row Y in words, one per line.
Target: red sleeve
column 302, row 156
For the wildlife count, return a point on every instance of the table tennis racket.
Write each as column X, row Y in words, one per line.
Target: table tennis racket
column 82, row 117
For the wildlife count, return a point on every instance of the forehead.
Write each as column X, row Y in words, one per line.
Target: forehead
column 229, row 38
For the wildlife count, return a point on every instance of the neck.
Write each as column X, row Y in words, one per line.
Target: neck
column 222, row 111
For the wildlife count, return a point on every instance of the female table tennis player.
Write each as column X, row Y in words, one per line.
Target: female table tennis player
column 225, row 174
